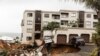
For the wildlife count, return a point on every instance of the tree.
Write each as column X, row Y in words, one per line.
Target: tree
column 51, row 26
column 72, row 24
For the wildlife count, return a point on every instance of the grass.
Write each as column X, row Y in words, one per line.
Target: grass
column 94, row 52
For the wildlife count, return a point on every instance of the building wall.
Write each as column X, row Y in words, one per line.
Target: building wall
column 72, row 16
column 26, row 26
column 69, row 31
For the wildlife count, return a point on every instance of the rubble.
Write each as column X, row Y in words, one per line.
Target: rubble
column 14, row 49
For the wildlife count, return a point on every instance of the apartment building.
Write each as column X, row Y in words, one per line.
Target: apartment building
column 72, row 24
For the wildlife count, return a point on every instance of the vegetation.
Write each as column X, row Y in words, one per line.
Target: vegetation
column 51, row 26
column 94, row 4
column 94, row 52
column 73, row 24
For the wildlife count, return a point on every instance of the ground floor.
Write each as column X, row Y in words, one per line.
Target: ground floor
column 63, row 36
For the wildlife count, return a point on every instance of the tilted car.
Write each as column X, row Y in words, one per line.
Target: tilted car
column 80, row 41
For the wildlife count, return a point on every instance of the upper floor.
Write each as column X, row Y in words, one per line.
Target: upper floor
column 66, row 18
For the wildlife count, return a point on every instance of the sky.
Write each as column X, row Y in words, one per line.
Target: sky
column 11, row 11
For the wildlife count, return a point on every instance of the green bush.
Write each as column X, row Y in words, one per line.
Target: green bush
column 94, row 52
column 51, row 26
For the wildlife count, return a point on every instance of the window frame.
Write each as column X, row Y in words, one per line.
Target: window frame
column 29, row 30
column 29, row 22
column 46, row 15
column 66, row 15
column 28, row 38
column 88, row 15
column 55, row 16
column 29, row 14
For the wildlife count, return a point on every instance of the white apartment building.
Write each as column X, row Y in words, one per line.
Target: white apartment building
column 72, row 23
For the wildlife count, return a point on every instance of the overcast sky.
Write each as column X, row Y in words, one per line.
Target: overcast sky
column 11, row 11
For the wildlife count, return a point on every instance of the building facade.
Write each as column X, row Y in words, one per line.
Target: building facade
column 72, row 24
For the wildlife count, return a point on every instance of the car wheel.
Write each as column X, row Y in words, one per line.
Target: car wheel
column 83, row 44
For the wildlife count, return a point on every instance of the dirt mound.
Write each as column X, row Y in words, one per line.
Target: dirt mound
column 59, row 49
column 8, row 47
column 4, row 45
column 14, row 46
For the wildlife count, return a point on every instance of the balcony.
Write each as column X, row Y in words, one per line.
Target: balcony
column 55, row 16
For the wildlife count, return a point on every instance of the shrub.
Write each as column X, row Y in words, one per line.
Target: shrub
column 94, row 52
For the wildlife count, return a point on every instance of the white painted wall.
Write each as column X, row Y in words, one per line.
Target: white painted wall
column 24, row 28
column 50, row 19
column 73, row 31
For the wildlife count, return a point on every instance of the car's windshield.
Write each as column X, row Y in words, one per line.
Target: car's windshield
column 80, row 39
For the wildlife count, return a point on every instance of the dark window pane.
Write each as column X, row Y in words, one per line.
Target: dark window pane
column 46, row 15
column 37, row 35
column 29, row 38
column 95, row 17
column 55, row 16
column 88, row 15
column 64, row 15
column 37, row 27
column 63, row 22
column 29, row 14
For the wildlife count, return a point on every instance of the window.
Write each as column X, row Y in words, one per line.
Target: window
column 95, row 17
column 88, row 23
column 29, row 30
column 37, row 35
column 37, row 27
column 55, row 16
column 38, row 19
column 64, row 15
column 94, row 24
column 29, row 38
column 63, row 22
column 29, row 22
column 46, row 15
column 88, row 15
column 21, row 34
column 29, row 14
column 45, row 23
column 73, row 14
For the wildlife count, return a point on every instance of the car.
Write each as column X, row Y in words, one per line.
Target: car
column 80, row 41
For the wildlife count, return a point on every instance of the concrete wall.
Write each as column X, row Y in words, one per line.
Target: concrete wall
column 73, row 31
column 88, row 30
column 25, row 27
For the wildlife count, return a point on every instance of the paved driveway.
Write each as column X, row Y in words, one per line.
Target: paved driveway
column 85, row 51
